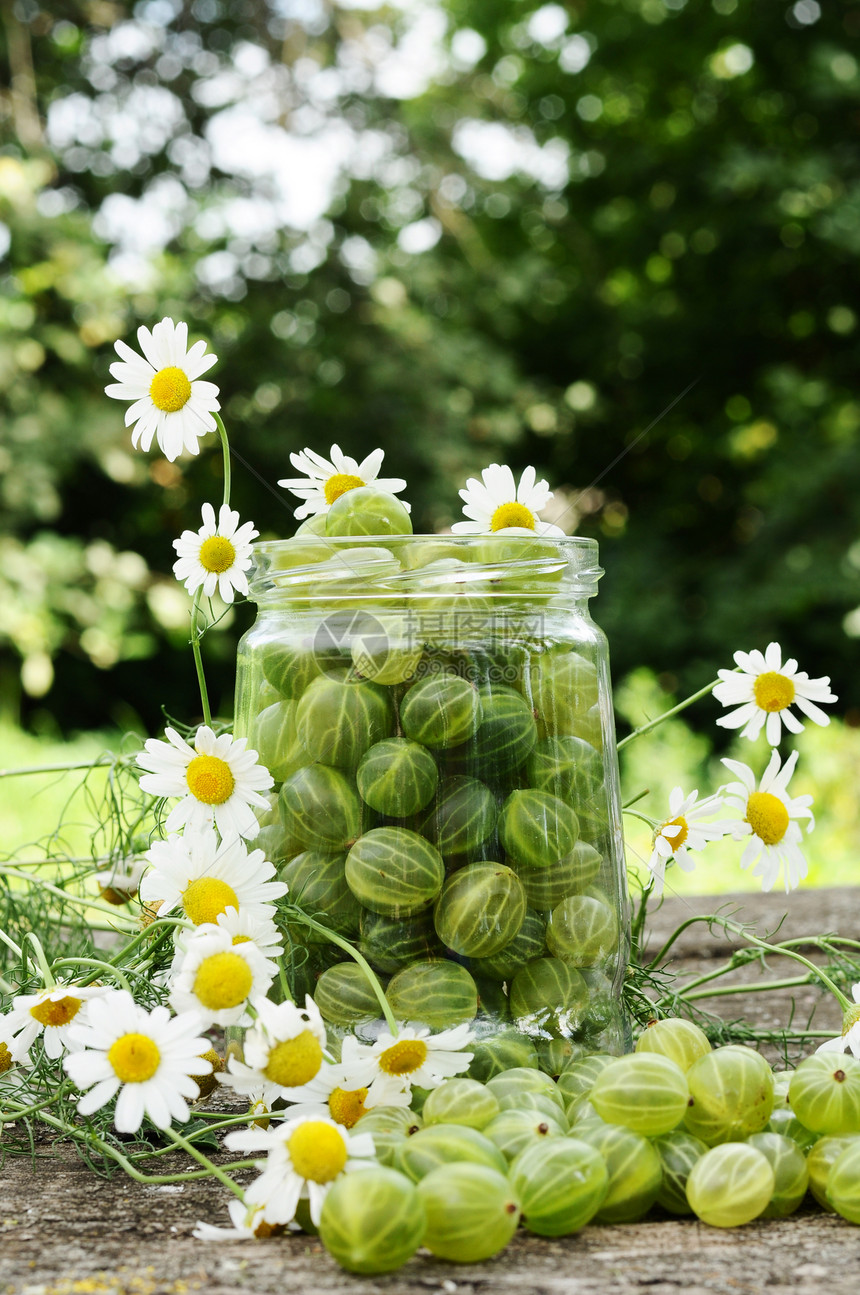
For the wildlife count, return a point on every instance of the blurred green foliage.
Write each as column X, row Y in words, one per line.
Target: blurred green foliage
column 539, row 225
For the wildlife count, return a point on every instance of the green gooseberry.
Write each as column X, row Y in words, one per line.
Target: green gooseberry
column 677, row 1038
column 843, row 1183
column 461, row 1101
column 825, row 1093
column 501, row 1051
column 577, row 1078
column 275, row 739
column 547, row 887
column 320, row 808
column 393, row 871
column 581, row 930
column 387, row 649
column 440, row 711
column 513, row 1130
column 635, row 1174
column 437, row 993
column 480, row 909
column 550, row 995
column 568, row 767
column 731, row 1095
column 389, row 1126
column 392, row 943
column 678, row 1152
column 562, row 686
column 560, row 1184
column 337, row 722
column 819, row 1161
column 528, row 943
column 536, row 828
column 372, row 1222
column 510, row 1085
column 364, row 510
column 397, row 777
column 643, row 1091
column 463, row 817
column 441, row 1144
column 317, row 884
column 730, row 1185
column 418, row 553
column 344, row 995
column 471, row 1210
column 791, row 1176
column 504, row 738
column 312, row 525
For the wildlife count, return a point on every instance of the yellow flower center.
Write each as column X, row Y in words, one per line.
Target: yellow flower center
column 680, row 837
column 170, row 389
column 223, row 980
column 773, row 691
column 217, row 554
column 318, row 1151
column 134, row 1058
column 57, row 1012
column 207, row 897
column 512, row 514
column 347, row 1107
column 767, row 816
column 241, row 939
column 210, row 779
column 339, row 484
column 850, row 1019
column 404, row 1057
column 294, row 1062
column 5, row 1059
column 113, row 895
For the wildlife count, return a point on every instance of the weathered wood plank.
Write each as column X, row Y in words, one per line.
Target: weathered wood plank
column 64, row 1231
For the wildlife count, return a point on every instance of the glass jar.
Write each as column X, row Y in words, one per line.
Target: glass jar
column 436, row 714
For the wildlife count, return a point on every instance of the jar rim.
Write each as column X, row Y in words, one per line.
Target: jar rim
column 523, row 563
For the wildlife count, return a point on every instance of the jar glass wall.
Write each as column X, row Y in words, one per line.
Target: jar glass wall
column 436, row 713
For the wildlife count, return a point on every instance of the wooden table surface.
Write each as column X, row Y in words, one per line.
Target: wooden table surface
column 64, row 1231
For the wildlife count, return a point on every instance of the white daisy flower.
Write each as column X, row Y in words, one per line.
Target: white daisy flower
column 244, row 926
column 305, row 1156
column 13, row 1051
column 283, row 1052
column 146, row 1057
column 325, row 480
column 205, row 879
column 51, row 1013
column 248, row 1223
column 764, row 690
column 217, row 556
column 413, row 1058
column 497, row 503
column 119, row 884
column 849, row 1039
column 169, row 400
column 218, row 780
column 217, row 978
column 769, row 817
column 682, row 832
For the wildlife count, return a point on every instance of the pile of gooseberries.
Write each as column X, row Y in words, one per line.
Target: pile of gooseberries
column 676, row 1127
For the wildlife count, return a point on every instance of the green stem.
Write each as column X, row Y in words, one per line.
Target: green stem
column 95, row 962
column 10, row 943
column 198, row 656
column 735, row 928
column 643, row 818
column 11, row 870
column 192, row 1151
column 790, row 982
column 36, row 944
column 8, row 1118
column 362, row 962
column 676, row 710
column 54, row 768
column 225, row 450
